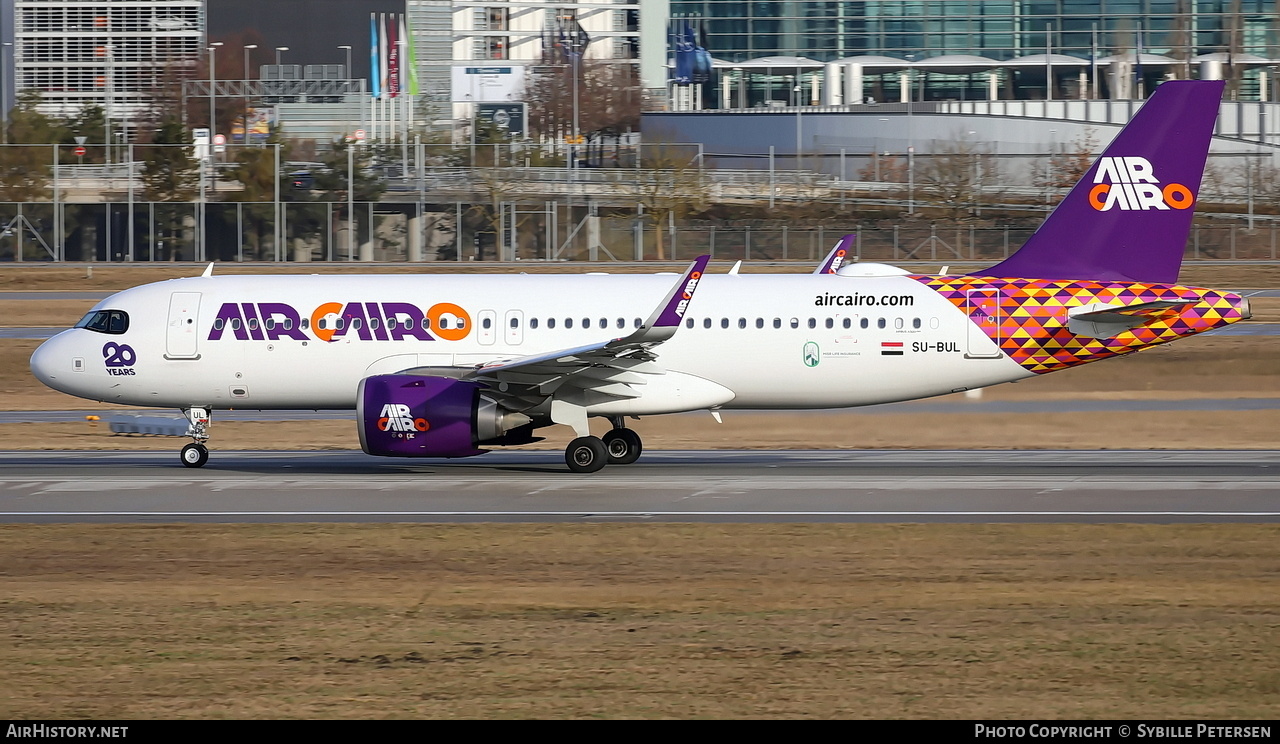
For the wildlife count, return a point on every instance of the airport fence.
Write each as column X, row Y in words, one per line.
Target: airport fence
column 460, row 231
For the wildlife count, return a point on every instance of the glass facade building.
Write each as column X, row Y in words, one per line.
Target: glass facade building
column 917, row 30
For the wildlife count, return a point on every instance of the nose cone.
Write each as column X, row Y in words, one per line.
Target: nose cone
column 53, row 362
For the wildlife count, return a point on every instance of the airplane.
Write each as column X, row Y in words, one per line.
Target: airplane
column 450, row 366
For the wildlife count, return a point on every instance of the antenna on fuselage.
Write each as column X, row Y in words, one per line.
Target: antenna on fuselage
column 208, row 270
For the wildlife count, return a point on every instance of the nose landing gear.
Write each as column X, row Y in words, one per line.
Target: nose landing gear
column 195, row 455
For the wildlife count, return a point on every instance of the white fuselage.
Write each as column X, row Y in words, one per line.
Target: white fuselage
column 773, row 341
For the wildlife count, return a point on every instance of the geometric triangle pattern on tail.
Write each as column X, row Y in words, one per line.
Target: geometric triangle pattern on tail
column 1030, row 326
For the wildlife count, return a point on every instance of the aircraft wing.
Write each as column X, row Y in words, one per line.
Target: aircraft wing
column 606, row 370
column 843, row 249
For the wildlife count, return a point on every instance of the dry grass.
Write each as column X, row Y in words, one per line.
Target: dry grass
column 640, row 621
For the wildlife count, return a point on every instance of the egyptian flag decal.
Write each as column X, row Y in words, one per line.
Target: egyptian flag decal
column 890, row 348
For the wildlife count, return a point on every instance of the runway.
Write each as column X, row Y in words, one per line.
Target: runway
column 692, row 486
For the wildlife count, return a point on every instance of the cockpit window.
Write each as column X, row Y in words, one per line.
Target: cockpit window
column 114, row 322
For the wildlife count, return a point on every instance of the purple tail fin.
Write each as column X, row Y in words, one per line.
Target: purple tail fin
column 1128, row 218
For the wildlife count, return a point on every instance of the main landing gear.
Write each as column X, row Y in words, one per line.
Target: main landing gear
column 621, row 446
column 195, row 455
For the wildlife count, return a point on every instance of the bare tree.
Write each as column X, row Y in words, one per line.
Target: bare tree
column 957, row 175
column 607, row 100
column 1068, row 164
column 670, row 186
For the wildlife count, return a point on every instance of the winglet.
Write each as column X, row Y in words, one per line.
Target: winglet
column 662, row 324
column 208, row 270
column 831, row 264
column 671, row 312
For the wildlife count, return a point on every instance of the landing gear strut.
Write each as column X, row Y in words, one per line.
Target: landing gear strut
column 195, row 455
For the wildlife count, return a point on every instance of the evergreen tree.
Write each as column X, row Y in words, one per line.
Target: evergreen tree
column 169, row 171
column 26, row 161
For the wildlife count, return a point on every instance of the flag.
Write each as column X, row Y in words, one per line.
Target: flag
column 701, row 57
column 578, row 41
column 393, row 58
column 382, row 58
column 684, row 55
column 411, row 87
column 374, row 56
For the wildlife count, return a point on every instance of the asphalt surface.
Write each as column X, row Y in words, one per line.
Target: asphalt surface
column 695, row 486
column 941, row 406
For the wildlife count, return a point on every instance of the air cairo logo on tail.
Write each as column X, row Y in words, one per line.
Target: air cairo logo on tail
column 1130, row 184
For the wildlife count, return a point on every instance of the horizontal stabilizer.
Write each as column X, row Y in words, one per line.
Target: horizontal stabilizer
column 1102, row 320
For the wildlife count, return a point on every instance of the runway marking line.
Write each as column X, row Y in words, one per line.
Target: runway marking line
column 642, row 514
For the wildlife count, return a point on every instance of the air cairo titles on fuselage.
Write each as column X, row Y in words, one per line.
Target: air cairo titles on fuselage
column 333, row 321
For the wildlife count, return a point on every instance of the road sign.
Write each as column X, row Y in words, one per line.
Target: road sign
column 360, row 135
column 81, row 140
column 573, row 140
column 219, row 139
column 80, row 151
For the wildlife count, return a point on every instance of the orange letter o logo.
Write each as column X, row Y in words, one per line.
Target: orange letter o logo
column 449, row 334
column 1178, row 196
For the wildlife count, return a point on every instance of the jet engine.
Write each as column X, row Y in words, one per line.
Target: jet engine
column 425, row 416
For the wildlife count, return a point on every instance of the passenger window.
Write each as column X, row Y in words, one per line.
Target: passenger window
column 426, row 324
column 759, row 322
column 688, row 322
column 460, row 322
column 515, row 322
column 218, row 324
column 933, row 323
column 355, row 324
column 638, row 322
column 586, row 322
column 915, row 322
column 897, row 323
column 568, row 322
column 724, row 322
column 373, row 323
column 551, row 322
column 305, row 324
column 235, row 324
column 533, row 322
column 848, row 322
column 742, row 322
column 777, row 322
column 865, row 322
column 622, row 323
column 795, row 322
column 831, row 323
column 288, row 324
column 706, row 322
column 604, row 323
column 486, row 323
column 880, row 323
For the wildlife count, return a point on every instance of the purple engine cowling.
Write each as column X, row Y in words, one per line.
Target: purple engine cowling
column 418, row 416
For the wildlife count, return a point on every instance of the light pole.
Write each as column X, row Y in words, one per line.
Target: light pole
column 244, row 136
column 278, row 50
column 347, row 47
column 247, row 47
column 4, row 91
column 213, row 128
